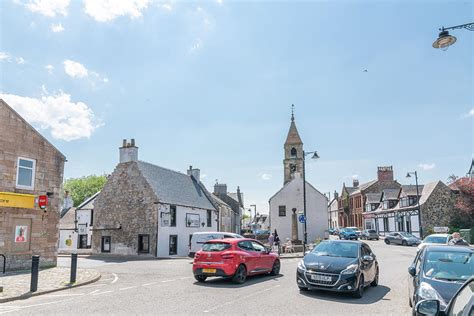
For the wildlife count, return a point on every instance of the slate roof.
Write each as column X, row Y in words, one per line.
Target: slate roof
column 172, row 187
column 67, row 219
column 373, row 197
column 351, row 190
column 390, row 194
column 236, row 198
column 408, row 190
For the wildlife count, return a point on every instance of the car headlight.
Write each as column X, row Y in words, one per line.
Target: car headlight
column 350, row 269
column 301, row 265
column 427, row 292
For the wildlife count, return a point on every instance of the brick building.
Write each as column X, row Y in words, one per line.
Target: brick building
column 30, row 166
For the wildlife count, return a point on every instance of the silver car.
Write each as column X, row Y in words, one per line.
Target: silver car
column 402, row 238
column 369, row 234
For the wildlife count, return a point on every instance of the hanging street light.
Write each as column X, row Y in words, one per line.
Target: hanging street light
column 445, row 40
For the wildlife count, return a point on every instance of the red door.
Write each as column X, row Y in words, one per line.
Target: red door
column 251, row 258
column 265, row 261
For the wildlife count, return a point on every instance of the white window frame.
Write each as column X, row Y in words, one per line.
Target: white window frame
column 26, row 187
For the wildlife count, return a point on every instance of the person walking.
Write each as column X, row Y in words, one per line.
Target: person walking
column 457, row 240
column 271, row 239
column 276, row 241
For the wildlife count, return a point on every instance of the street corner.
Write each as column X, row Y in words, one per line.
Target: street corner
column 16, row 285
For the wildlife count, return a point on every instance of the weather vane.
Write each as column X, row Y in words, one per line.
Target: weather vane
column 292, row 112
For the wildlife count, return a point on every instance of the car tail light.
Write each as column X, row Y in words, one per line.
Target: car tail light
column 228, row 256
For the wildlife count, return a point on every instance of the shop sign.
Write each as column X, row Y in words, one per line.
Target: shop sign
column 8, row 199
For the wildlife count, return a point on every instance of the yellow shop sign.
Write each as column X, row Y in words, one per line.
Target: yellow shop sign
column 8, row 199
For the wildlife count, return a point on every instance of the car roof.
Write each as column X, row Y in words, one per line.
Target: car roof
column 438, row 235
column 344, row 241
column 451, row 248
column 231, row 240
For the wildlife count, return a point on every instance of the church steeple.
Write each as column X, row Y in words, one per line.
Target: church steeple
column 293, row 162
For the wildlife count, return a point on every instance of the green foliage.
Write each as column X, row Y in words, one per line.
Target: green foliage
column 82, row 188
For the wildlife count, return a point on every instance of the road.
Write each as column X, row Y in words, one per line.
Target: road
column 168, row 287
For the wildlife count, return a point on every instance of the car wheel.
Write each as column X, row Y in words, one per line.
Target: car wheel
column 377, row 239
column 387, row 241
column 240, row 275
column 375, row 282
column 275, row 268
column 200, row 278
column 404, row 243
column 360, row 289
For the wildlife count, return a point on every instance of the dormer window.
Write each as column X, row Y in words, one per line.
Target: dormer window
column 293, row 152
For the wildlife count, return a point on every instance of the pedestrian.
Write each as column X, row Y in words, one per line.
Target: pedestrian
column 276, row 241
column 457, row 240
column 271, row 240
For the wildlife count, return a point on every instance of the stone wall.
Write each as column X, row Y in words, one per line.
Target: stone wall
column 19, row 139
column 437, row 210
column 126, row 201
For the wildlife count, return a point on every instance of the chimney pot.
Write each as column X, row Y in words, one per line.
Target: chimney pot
column 124, row 143
column 127, row 152
column 133, row 142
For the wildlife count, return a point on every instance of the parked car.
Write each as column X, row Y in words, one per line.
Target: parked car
column 348, row 233
column 234, row 258
column 369, row 234
column 340, row 266
column 461, row 304
column 357, row 230
column 435, row 239
column 199, row 238
column 402, row 238
column 438, row 272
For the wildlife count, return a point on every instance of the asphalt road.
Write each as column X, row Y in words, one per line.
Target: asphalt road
column 167, row 287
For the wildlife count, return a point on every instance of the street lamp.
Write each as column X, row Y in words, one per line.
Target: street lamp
column 445, row 40
column 305, row 233
column 255, row 210
column 417, row 201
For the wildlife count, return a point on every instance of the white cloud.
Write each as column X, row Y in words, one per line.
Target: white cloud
column 65, row 119
column 166, row 6
column 469, row 114
column 196, row 46
column 20, row 60
column 107, row 10
column 105, row 80
column 4, row 56
column 426, row 166
column 50, row 69
column 49, row 8
column 75, row 69
column 266, row 176
column 219, row 2
column 56, row 28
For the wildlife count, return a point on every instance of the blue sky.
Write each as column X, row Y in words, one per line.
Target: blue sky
column 211, row 83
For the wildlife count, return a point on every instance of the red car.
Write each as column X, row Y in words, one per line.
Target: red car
column 234, row 258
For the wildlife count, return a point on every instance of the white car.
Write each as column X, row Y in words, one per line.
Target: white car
column 435, row 239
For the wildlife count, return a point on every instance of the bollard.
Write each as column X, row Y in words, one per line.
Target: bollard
column 34, row 273
column 73, row 267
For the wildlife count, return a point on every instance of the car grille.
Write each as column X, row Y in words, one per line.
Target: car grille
column 332, row 282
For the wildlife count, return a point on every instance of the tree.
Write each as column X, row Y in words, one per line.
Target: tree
column 463, row 216
column 82, row 188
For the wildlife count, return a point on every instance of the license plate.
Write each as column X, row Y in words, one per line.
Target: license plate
column 321, row 278
column 209, row 270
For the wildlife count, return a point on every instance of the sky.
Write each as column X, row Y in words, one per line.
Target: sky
column 211, row 83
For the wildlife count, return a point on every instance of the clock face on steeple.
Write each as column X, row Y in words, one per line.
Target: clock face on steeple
column 292, row 168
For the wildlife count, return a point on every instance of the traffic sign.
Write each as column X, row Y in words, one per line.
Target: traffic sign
column 302, row 218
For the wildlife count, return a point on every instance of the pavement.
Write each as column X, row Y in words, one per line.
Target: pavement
column 144, row 287
column 16, row 285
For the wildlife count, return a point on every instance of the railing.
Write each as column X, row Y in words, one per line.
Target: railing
column 4, row 262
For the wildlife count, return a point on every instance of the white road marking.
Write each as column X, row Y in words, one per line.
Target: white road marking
column 185, row 278
column 100, row 293
column 147, row 284
column 35, row 305
column 115, row 278
column 128, row 288
column 92, row 285
column 65, row 295
column 240, row 299
column 165, row 281
column 95, row 291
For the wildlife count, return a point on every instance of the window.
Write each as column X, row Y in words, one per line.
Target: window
column 385, row 224
column 294, row 152
column 173, row 215
column 173, row 245
column 282, row 210
column 25, row 178
column 105, row 245
column 412, row 200
column 245, row 245
column 257, row 246
column 392, row 203
column 209, row 218
column 143, row 243
column 92, row 218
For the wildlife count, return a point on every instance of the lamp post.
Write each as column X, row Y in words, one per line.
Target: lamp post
column 255, row 215
column 445, row 40
column 328, row 194
column 417, row 201
column 305, row 232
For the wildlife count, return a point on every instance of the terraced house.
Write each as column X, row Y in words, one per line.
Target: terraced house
column 31, row 176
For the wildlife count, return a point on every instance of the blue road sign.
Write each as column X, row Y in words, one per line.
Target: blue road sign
column 301, row 218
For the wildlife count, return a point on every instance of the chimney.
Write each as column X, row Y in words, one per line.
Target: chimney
column 220, row 189
column 336, row 195
column 195, row 173
column 355, row 182
column 128, row 151
column 385, row 174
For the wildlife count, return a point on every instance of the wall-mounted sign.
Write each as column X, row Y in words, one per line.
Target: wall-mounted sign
column 21, row 233
column 43, row 201
column 192, row 220
column 441, row 229
column 8, row 199
column 82, row 229
column 165, row 219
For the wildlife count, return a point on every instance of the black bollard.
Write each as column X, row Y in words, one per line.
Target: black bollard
column 73, row 267
column 34, row 273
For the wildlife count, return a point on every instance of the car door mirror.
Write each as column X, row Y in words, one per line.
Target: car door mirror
column 367, row 259
column 427, row 307
column 412, row 270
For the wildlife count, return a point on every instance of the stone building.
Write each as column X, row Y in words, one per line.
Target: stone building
column 226, row 215
column 148, row 210
column 333, row 210
column 288, row 203
column 236, row 203
column 30, row 167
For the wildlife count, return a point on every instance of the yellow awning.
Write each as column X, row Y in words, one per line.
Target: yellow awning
column 8, row 199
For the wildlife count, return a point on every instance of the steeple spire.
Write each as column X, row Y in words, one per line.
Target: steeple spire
column 292, row 113
column 293, row 135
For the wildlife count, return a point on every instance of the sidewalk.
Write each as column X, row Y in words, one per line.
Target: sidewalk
column 16, row 285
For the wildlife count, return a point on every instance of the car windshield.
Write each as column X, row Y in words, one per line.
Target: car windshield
column 435, row 240
column 337, row 249
column 407, row 235
column 349, row 229
column 215, row 246
column 451, row 266
column 372, row 231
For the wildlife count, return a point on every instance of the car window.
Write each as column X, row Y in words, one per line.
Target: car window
column 435, row 240
column 448, row 265
column 337, row 249
column 418, row 261
column 200, row 239
column 462, row 304
column 215, row 246
column 257, row 246
column 245, row 245
column 365, row 251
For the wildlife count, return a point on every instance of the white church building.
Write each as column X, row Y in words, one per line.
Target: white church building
column 289, row 199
